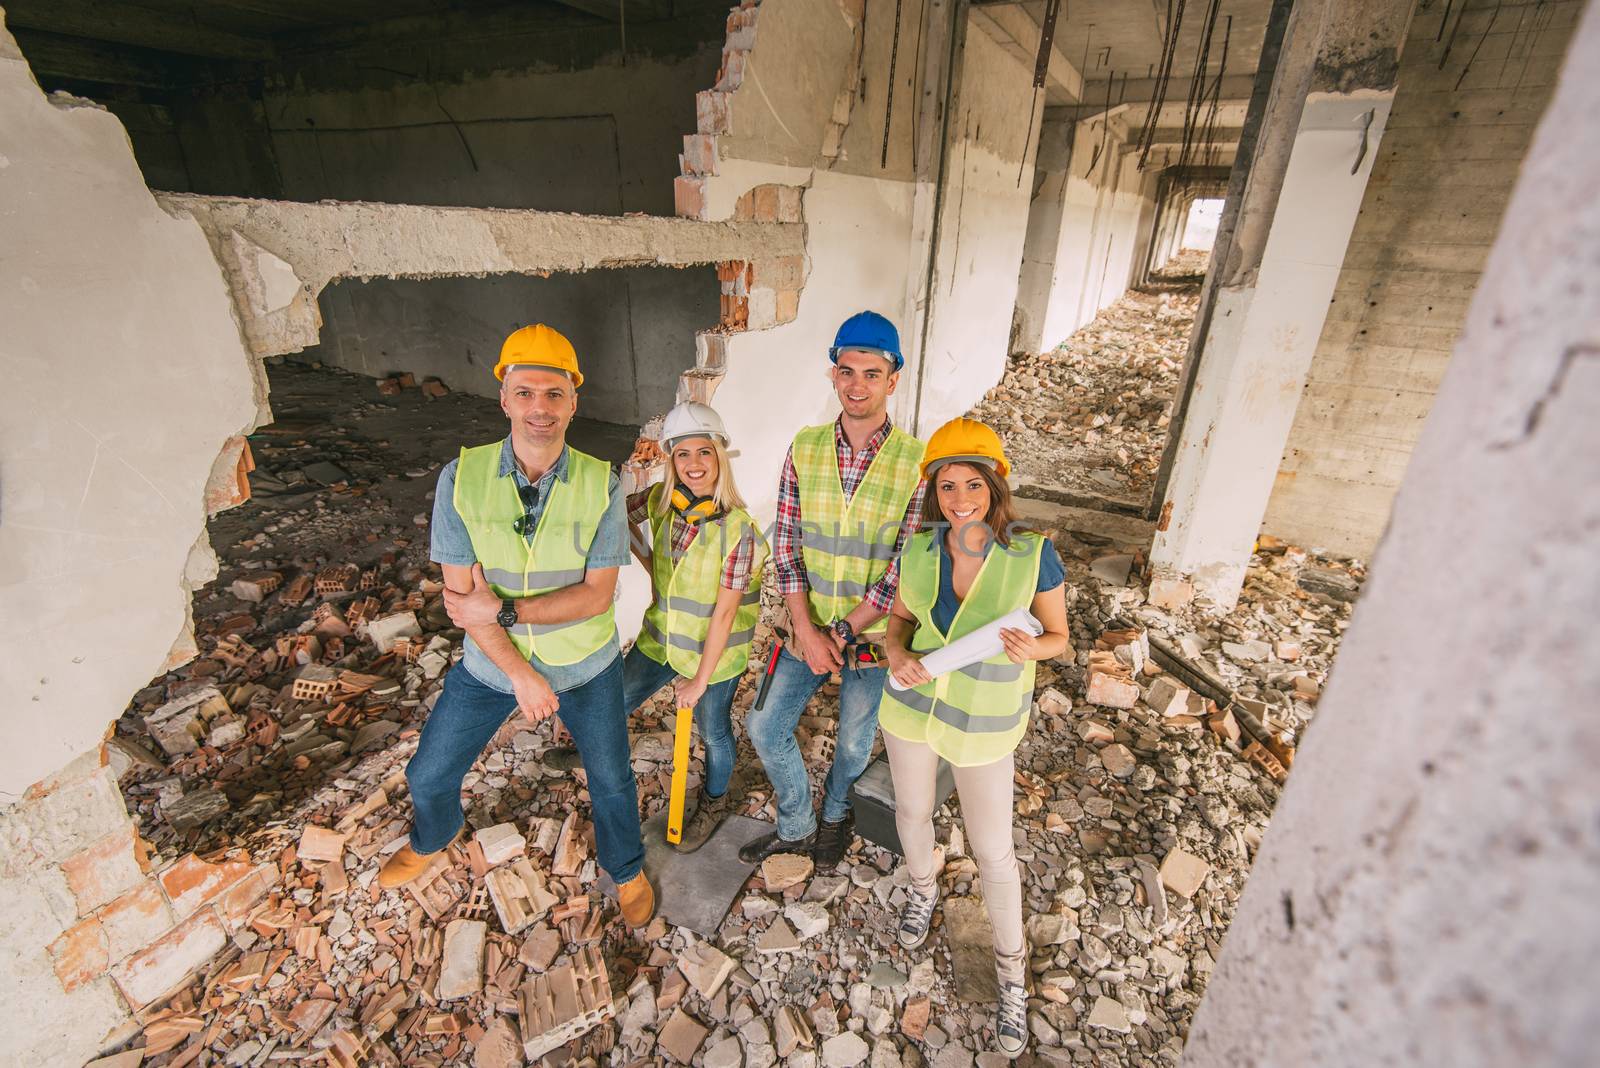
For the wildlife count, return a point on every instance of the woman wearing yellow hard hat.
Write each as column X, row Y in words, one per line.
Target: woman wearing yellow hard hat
column 705, row 561
column 969, row 568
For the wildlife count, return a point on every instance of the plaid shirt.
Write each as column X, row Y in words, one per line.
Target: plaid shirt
column 853, row 464
column 735, row 570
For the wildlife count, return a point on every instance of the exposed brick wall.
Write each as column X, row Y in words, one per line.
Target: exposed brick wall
column 144, row 931
column 755, row 294
column 1444, row 174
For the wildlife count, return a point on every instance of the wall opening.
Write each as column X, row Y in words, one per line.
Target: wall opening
column 1200, row 229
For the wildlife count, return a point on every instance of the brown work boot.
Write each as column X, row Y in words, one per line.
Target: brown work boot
column 638, row 900
column 407, row 864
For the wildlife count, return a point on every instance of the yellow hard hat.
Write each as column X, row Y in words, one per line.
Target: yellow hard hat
column 538, row 346
column 964, row 441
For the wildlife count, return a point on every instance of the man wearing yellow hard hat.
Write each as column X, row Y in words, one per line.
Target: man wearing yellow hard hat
column 530, row 533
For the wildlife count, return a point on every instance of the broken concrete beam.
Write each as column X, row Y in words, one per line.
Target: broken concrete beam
column 461, row 973
column 323, row 242
column 559, row 1006
column 500, row 844
column 383, row 632
column 1183, row 873
column 178, row 725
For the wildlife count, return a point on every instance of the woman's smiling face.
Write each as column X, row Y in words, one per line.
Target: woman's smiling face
column 695, row 461
column 963, row 494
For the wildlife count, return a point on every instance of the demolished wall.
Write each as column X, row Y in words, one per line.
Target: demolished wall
column 117, row 322
column 600, row 140
column 1432, row 209
column 1425, row 893
column 791, row 111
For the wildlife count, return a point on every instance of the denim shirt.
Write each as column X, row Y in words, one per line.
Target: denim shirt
column 451, row 544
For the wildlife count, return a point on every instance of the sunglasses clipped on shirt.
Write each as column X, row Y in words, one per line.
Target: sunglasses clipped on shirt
column 525, row 523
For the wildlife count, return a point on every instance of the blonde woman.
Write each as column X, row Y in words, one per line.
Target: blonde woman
column 705, row 560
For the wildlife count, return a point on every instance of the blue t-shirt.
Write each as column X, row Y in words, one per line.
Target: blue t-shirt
column 1051, row 575
column 451, row 544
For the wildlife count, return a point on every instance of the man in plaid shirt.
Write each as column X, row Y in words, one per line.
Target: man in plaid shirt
column 838, row 571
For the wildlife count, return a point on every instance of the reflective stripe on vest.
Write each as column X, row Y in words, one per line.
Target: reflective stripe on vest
column 555, row 557
column 679, row 618
column 848, row 545
column 978, row 714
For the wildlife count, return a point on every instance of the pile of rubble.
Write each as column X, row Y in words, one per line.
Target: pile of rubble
column 1144, row 785
column 1090, row 417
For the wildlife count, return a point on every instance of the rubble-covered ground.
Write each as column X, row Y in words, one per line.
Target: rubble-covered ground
column 1090, row 417
column 1135, row 826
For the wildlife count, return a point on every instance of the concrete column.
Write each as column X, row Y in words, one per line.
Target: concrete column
column 1041, row 247
column 1318, row 137
column 1425, row 895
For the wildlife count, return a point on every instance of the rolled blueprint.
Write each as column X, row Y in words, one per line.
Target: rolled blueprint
column 976, row 647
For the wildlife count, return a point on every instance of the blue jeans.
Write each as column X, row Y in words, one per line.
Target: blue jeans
column 713, row 713
column 467, row 716
column 771, row 731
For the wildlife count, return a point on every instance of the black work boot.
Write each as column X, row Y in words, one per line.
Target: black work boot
column 832, row 840
column 561, row 758
column 771, row 844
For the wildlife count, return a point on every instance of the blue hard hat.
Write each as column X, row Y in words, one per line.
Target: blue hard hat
column 871, row 332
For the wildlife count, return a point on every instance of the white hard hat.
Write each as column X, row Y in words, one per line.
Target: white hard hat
column 691, row 420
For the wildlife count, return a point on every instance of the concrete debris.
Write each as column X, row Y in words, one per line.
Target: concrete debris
column 1090, row 418
column 1134, row 832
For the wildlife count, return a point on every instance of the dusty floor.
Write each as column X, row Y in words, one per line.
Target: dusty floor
column 1108, row 799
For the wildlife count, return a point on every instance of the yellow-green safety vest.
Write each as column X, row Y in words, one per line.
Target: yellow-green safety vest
column 979, row 713
column 556, row 557
column 848, row 545
column 686, row 591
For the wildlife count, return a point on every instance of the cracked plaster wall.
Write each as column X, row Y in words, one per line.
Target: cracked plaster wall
column 116, row 320
column 1425, row 895
column 125, row 378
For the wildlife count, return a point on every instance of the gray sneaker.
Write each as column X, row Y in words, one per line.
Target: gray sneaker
column 1011, row 1021
column 915, row 918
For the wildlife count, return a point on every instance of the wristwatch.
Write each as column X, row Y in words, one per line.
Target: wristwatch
column 508, row 613
column 845, row 631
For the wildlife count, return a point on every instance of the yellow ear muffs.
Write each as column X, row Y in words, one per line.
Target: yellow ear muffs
column 693, row 509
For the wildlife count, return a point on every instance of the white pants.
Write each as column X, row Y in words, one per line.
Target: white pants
column 987, row 813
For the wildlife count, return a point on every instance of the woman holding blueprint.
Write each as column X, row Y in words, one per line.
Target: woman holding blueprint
column 969, row 573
